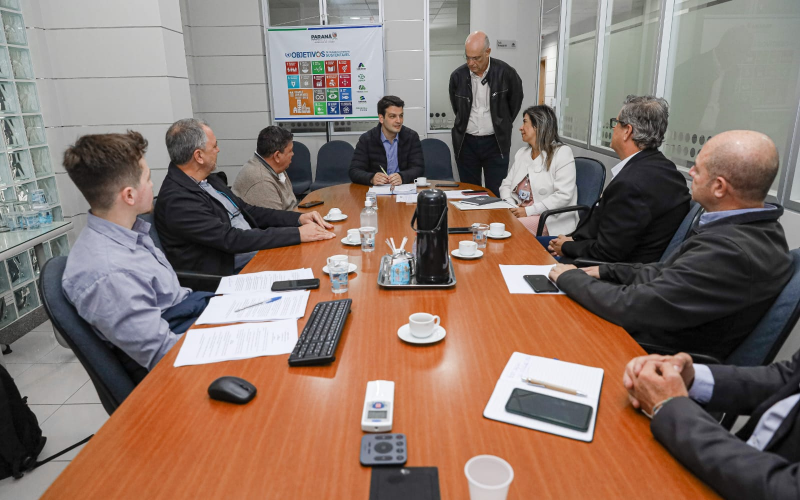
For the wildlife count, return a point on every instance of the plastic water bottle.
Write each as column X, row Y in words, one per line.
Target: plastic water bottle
column 369, row 217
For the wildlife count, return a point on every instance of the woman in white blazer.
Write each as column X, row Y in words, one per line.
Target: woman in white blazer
column 543, row 175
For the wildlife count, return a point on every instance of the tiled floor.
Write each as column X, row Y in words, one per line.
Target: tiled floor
column 63, row 399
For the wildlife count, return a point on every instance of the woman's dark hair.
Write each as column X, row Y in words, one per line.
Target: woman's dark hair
column 544, row 120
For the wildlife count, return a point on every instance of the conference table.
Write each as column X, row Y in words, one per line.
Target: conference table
column 300, row 437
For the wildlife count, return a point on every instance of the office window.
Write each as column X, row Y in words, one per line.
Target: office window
column 448, row 28
column 576, row 85
column 732, row 65
column 551, row 15
column 628, row 59
column 354, row 126
column 352, row 11
column 294, row 12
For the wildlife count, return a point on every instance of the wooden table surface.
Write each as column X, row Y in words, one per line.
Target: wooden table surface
column 299, row 438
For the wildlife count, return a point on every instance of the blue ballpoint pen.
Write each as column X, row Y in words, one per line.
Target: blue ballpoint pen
column 270, row 301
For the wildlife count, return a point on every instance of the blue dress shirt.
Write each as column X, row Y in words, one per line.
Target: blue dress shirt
column 120, row 283
column 391, row 154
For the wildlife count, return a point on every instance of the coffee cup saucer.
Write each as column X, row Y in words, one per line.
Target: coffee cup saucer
column 347, row 241
column 350, row 268
column 405, row 335
column 506, row 234
column 424, row 185
column 333, row 218
column 477, row 255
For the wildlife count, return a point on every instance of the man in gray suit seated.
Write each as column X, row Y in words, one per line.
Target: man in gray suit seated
column 762, row 460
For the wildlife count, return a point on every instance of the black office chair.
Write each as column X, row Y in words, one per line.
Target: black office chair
column 590, row 178
column 190, row 279
column 689, row 221
column 437, row 160
column 110, row 378
column 333, row 164
column 299, row 170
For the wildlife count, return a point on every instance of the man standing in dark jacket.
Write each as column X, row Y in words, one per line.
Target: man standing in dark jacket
column 713, row 290
column 644, row 203
column 389, row 147
column 486, row 96
column 202, row 225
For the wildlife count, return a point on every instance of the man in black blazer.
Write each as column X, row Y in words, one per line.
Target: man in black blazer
column 202, row 225
column 646, row 201
column 389, row 147
column 712, row 291
column 762, row 460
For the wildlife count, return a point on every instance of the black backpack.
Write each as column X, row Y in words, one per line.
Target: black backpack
column 21, row 438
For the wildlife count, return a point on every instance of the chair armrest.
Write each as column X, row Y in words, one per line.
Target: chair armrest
column 584, row 262
column 668, row 351
column 198, row 281
column 547, row 213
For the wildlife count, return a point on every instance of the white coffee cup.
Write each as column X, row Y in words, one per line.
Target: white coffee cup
column 334, row 212
column 422, row 325
column 467, row 247
column 489, row 477
column 497, row 229
column 338, row 258
column 421, row 181
column 353, row 235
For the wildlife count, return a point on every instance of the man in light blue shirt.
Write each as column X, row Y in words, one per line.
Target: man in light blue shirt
column 762, row 460
column 116, row 278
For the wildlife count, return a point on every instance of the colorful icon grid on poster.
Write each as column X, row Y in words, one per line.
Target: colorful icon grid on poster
column 321, row 88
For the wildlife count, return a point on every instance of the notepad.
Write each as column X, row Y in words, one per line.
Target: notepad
column 492, row 206
column 223, row 309
column 586, row 379
column 226, row 343
column 386, row 189
column 260, row 282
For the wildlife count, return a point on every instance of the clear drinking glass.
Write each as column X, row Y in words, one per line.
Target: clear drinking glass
column 338, row 267
column 479, row 234
column 367, row 238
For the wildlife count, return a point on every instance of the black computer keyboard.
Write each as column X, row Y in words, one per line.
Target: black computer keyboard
column 317, row 344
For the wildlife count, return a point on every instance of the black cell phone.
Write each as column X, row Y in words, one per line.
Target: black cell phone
column 459, row 230
column 447, row 185
column 310, row 204
column 541, row 283
column 549, row 409
column 285, row 286
column 474, row 192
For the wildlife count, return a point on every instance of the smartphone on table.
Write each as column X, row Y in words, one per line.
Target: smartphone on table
column 310, row 204
column 552, row 410
column 541, row 283
column 286, row 286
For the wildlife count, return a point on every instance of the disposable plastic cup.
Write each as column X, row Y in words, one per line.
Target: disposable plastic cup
column 367, row 238
column 489, row 477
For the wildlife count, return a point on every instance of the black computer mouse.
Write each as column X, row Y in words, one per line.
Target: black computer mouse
column 232, row 390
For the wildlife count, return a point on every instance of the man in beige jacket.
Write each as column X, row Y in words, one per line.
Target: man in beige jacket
column 263, row 181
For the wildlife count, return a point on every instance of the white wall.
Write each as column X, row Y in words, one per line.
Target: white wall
column 106, row 66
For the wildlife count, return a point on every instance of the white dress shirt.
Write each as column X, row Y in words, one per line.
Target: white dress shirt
column 480, row 117
column 619, row 166
column 703, row 388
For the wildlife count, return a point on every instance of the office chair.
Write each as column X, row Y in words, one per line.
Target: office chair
column 437, row 160
column 689, row 221
column 299, row 170
column 110, row 378
column 189, row 279
column 590, row 178
column 333, row 164
column 761, row 346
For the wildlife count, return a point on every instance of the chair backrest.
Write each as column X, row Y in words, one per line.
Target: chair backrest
column 764, row 342
column 112, row 381
column 333, row 162
column 590, row 178
column 695, row 211
column 148, row 217
column 300, row 168
column 437, row 160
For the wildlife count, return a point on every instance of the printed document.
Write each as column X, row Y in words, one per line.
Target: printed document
column 496, row 205
column 586, row 379
column 225, row 343
column 386, row 189
column 223, row 309
column 517, row 284
column 260, row 282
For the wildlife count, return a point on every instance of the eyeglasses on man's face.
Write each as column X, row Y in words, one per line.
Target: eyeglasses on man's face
column 474, row 59
column 614, row 122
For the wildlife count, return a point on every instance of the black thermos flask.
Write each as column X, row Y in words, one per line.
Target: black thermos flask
column 433, row 265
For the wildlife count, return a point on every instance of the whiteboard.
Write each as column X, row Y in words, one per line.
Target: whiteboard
column 326, row 73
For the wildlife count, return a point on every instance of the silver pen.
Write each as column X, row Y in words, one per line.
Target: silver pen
column 553, row 387
column 270, row 301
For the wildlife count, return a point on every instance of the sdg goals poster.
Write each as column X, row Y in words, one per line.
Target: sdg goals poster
column 326, row 73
